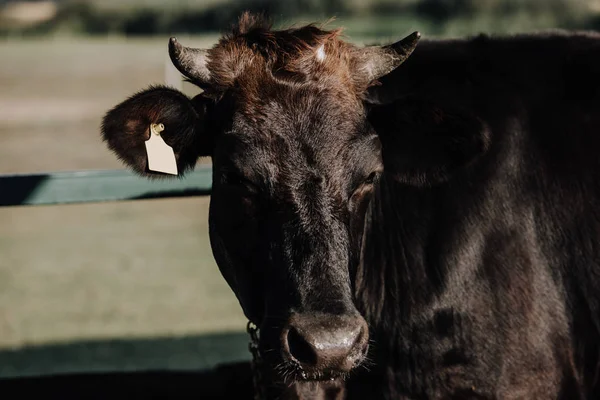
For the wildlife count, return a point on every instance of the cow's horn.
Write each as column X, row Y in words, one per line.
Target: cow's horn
column 190, row 62
column 381, row 61
column 406, row 46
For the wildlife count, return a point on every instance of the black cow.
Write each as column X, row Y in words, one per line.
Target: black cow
column 421, row 226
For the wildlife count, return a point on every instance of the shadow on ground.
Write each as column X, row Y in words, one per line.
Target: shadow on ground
column 199, row 367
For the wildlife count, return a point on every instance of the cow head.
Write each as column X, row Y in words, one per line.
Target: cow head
column 295, row 163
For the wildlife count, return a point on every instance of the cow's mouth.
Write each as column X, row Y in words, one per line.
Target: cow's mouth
column 291, row 372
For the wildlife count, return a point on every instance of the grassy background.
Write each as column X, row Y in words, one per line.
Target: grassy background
column 133, row 285
column 433, row 17
column 90, row 274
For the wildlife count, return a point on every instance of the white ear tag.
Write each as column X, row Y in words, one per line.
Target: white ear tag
column 161, row 157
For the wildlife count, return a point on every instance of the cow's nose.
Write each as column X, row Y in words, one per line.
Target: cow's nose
column 326, row 342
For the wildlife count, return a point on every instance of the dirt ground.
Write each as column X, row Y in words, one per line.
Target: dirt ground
column 95, row 272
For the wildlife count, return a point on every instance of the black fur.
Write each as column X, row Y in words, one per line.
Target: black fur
column 457, row 209
column 126, row 127
column 492, row 277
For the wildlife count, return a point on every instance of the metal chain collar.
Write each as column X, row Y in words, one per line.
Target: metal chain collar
column 257, row 363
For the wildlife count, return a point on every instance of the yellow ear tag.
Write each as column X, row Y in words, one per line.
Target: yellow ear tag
column 161, row 157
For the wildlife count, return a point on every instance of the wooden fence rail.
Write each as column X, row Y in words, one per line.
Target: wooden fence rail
column 97, row 186
column 102, row 186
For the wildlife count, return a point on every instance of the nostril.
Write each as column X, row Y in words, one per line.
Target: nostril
column 365, row 349
column 300, row 349
column 324, row 342
column 362, row 341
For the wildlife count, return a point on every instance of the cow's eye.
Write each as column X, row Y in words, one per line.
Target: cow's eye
column 370, row 179
column 365, row 185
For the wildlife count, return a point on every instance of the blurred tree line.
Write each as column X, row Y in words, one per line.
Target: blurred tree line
column 151, row 17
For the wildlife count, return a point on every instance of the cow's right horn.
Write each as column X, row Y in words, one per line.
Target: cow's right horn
column 190, row 62
column 380, row 61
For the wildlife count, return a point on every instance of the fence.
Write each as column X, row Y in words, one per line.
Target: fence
column 97, row 186
column 118, row 185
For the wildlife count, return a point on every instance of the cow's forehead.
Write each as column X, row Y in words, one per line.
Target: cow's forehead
column 306, row 112
column 293, row 100
column 300, row 120
column 283, row 139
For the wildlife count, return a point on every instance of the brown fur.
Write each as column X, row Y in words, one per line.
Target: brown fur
column 252, row 56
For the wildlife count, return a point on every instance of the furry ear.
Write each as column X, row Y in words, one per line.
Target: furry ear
column 126, row 127
column 424, row 143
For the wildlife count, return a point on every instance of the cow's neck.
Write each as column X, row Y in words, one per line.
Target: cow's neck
column 412, row 233
column 410, row 258
column 410, row 272
column 395, row 277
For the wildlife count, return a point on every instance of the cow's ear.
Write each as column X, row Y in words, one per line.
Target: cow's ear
column 126, row 128
column 424, row 143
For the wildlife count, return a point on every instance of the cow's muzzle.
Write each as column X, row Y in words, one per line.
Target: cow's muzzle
column 319, row 346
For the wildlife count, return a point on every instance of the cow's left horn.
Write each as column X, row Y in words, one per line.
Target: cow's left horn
column 380, row 61
column 190, row 62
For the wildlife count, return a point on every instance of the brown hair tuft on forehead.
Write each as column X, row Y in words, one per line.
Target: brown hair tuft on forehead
column 248, row 22
column 253, row 55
